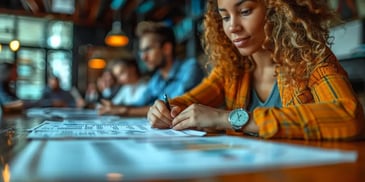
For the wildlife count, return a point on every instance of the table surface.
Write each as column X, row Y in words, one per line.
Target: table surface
column 12, row 142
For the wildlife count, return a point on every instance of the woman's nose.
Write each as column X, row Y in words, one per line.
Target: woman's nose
column 235, row 26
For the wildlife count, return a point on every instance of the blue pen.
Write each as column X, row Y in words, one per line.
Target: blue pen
column 167, row 103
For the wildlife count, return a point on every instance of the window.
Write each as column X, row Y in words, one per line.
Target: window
column 44, row 44
column 6, row 54
column 59, row 35
column 60, row 64
column 31, row 71
column 6, row 28
column 31, row 31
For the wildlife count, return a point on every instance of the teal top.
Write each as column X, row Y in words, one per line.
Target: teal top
column 273, row 100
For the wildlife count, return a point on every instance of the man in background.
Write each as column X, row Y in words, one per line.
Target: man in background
column 55, row 96
column 174, row 77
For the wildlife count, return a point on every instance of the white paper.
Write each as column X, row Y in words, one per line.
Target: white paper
column 161, row 158
column 123, row 128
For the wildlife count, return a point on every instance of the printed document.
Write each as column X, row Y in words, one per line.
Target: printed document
column 122, row 128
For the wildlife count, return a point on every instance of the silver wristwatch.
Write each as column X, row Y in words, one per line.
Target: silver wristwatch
column 238, row 118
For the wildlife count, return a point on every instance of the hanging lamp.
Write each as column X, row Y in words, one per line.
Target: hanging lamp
column 116, row 37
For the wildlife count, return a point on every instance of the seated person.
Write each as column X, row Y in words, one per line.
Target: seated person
column 55, row 96
column 79, row 100
column 106, row 85
column 132, row 86
column 289, row 85
column 8, row 99
column 91, row 94
column 171, row 76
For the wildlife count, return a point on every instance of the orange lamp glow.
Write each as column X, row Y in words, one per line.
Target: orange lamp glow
column 97, row 63
column 116, row 37
column 116, row 40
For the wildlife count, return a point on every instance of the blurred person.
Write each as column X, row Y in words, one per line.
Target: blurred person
column 274, row 75
column 174, row 77
column 106, row 85
column 91, row 94
column 132, row 86
column 79, row 100
column 8, row 77
column 54, row 96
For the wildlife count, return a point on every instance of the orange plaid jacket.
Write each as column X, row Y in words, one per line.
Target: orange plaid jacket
column 325, row 107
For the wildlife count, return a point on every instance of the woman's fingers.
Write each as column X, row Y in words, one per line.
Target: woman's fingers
column 175, row 110
column 162, row 108
column 159, row 116
column 156, row 122
column 196, row 116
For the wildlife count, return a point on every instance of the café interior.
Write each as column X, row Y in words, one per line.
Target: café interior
column 68, row 38
column 74, row 40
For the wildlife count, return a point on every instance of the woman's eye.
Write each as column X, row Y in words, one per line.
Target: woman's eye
column 246, row 12
column 225, row 18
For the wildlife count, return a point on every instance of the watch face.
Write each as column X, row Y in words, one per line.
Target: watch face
column 238, row 118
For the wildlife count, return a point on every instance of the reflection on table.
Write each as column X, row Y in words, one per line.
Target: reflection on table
column 70, row 158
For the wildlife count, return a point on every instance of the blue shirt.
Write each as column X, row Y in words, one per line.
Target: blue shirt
column 183, row 76
column 49, row 96
column 273, row 100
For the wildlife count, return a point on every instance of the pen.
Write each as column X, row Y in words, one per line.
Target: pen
column 167, row 103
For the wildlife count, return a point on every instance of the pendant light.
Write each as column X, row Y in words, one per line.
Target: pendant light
column 97, row 63
column 116, row 37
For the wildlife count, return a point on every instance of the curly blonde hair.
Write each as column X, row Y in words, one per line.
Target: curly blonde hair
column 297, row 35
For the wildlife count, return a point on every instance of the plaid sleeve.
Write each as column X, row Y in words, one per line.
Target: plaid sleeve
column 335, row 114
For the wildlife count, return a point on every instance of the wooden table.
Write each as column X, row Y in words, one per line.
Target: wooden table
column 14, row 141
column 337, row 172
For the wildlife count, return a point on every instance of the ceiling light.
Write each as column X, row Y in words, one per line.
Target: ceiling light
column 14, row 45
column 116, row 37
column 97, row 63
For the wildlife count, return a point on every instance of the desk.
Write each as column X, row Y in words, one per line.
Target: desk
column 12, row 145
column 338, row 172
column 12, row 142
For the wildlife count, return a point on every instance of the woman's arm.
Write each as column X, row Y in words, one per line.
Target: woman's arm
column 335, row 114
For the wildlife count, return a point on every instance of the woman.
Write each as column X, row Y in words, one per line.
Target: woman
column 273, row 74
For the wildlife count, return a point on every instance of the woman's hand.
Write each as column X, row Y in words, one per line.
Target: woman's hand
column 160, row 116
column 201, row 117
